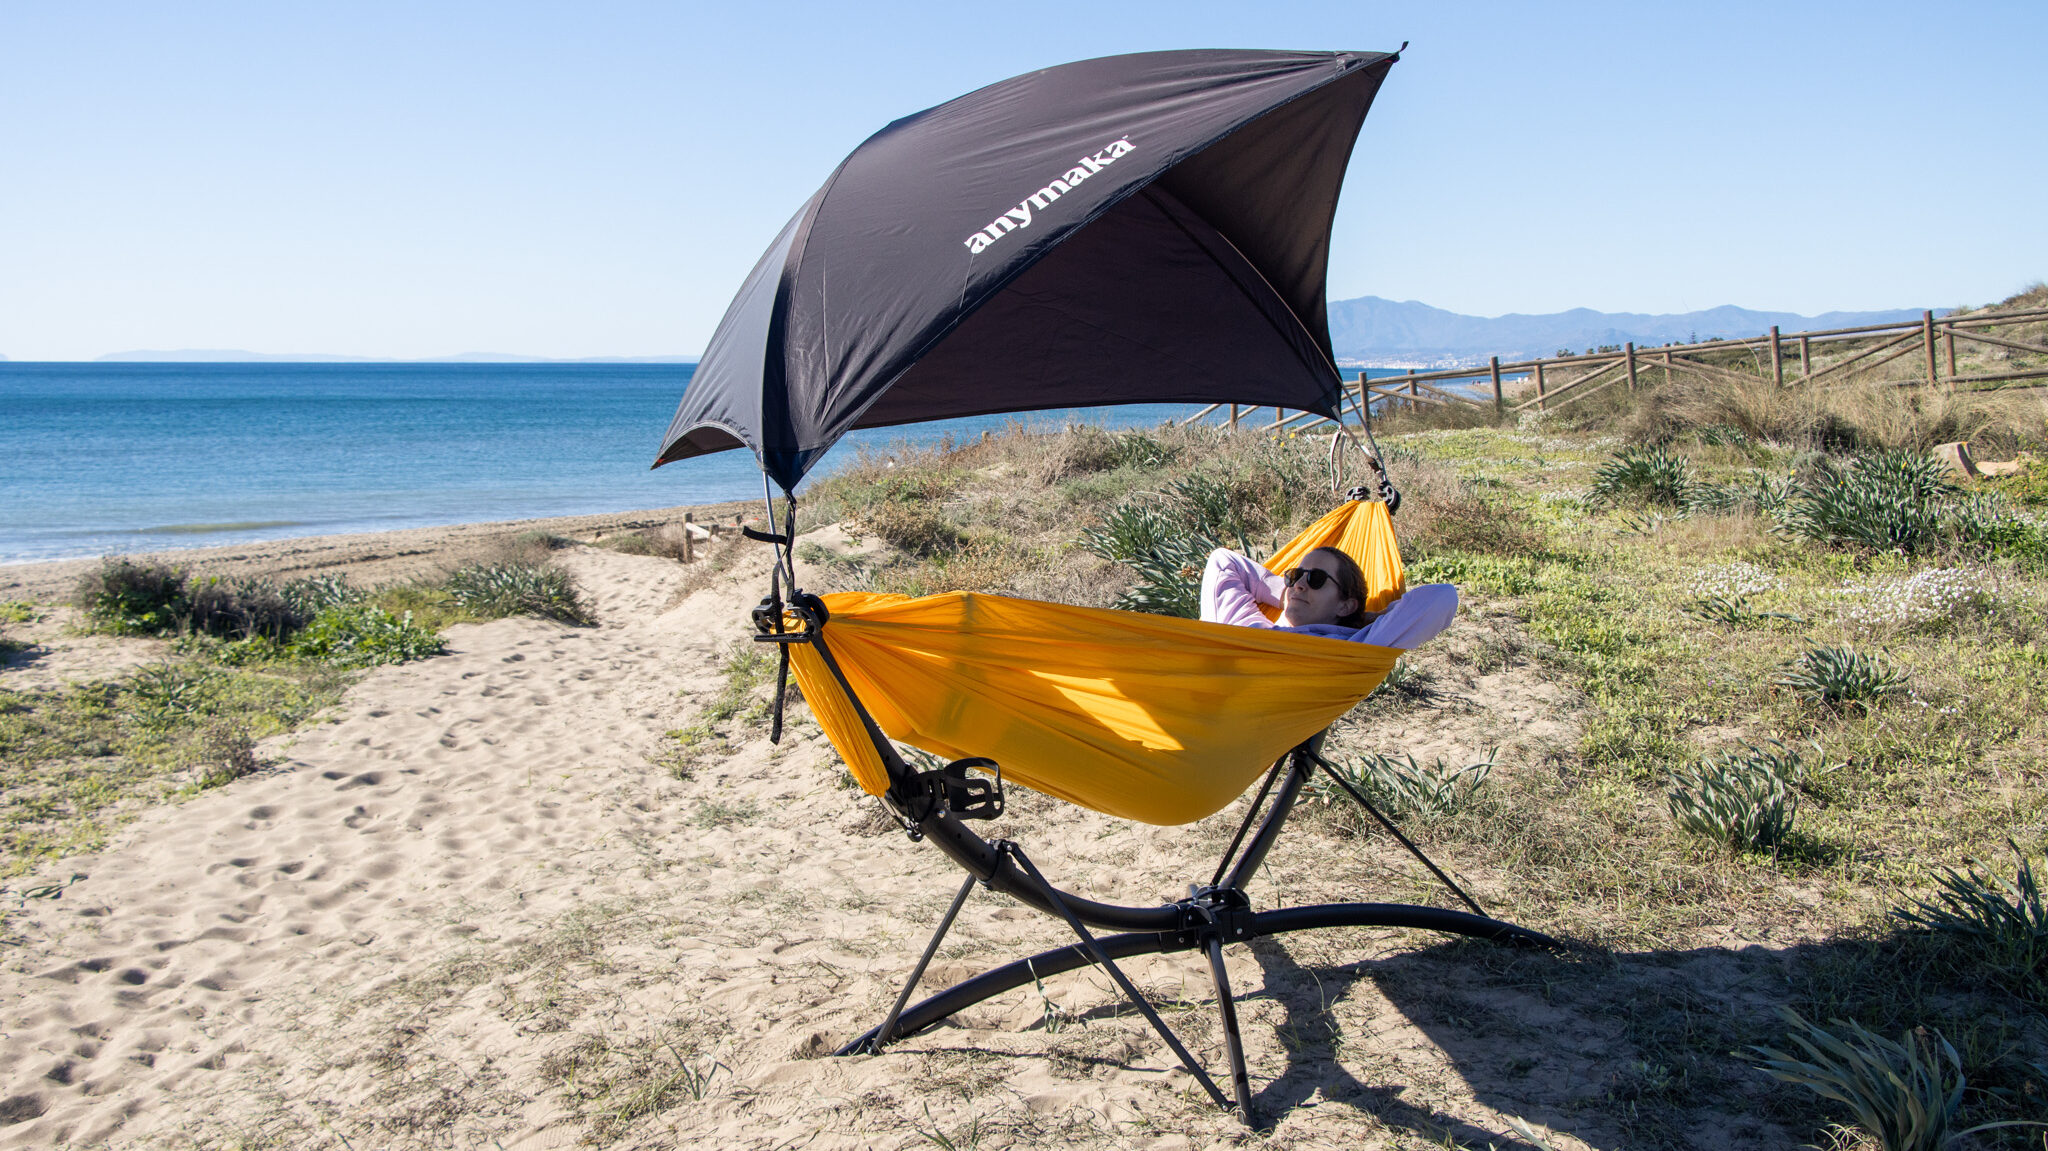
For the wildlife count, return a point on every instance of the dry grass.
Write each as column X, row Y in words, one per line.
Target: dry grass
column 1575, row 835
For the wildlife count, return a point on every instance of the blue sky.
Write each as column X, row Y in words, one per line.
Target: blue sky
column 425, row 179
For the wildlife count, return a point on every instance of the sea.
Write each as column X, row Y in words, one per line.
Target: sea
column 119, row 458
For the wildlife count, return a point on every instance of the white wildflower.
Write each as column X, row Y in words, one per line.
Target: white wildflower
column 1733, row 581
column 1934, row 596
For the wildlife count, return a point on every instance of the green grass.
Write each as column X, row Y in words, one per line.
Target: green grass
column 77, row 762
column 739, row 707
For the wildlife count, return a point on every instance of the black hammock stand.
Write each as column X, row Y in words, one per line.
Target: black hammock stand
column 935, row 806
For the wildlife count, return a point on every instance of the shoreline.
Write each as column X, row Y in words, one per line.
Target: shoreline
column 370, row 557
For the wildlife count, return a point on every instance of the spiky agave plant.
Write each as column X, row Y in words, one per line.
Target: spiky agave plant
column 1746, row 798
column 2006, row 918
column 1159, row 548
column 1646, row 474
column 1885, row 501
column 1842, row 676
column 503, row 589
column 1903, row 1094
column 1404, row 788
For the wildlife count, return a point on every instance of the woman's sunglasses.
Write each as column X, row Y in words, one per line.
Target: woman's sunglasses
column 1315, row 578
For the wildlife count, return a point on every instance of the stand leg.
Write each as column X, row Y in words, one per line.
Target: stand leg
column 1240, row 1081
column 1405, row 841
column 1130, row 990
column 888, row 1028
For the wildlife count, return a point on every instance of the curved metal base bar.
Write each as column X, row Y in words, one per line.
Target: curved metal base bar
column 1011, row 976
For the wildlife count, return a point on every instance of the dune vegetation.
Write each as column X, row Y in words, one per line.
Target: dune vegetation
column 1802, row 674
column 1745, row 701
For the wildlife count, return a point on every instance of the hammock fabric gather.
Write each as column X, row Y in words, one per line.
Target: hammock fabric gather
column 1154, row 718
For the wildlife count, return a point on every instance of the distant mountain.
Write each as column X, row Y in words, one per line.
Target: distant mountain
column 237, row 356
column 1367, row 331
column 1374, row 332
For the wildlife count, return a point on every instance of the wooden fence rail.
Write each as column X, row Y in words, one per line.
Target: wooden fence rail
column 1863, row 348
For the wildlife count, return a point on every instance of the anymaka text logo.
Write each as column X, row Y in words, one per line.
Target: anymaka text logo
column 1020, row 216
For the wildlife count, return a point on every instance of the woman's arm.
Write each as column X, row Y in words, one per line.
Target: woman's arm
column 1414, row 619
column 1233, row 587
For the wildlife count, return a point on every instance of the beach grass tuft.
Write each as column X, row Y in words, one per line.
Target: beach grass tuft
column 508, row 588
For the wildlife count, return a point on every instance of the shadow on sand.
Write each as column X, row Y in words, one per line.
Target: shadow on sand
column 1615, row 1050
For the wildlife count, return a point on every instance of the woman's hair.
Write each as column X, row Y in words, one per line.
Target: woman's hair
column 1350, row 583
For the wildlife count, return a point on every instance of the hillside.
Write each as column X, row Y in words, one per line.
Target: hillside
column 1377, row 332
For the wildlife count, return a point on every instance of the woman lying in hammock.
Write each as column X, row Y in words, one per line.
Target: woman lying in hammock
column 1324, row 596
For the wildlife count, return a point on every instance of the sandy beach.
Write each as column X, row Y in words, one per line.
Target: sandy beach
column 472, row 907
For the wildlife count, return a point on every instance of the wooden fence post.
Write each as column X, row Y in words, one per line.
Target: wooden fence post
column 1540, row 405
column 1805, row 359
column 1630, row 350
column 1777, row 361
column 1927, row 337
column 1498, row 405
column 1233, row 417
column 1949, row 338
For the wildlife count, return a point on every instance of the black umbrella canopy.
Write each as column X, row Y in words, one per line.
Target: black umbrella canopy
column 1152, row 228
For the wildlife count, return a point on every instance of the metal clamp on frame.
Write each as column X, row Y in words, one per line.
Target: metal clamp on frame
column 1223, row 913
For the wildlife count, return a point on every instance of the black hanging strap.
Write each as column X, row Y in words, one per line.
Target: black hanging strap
column 768, row 625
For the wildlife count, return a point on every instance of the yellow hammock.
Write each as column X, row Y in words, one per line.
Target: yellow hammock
column 1153, row 718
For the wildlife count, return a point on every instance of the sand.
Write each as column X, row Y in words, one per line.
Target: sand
column 472, row 907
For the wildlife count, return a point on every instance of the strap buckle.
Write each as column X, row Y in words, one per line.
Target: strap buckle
column 950, row 789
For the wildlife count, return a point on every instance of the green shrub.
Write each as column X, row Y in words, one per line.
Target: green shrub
column 1166, row 540
column 1841, row 676
column 315, row 594
column 167, row 693
column 1136, row 449
column 226, row 754
column 1746, row 799
column 1473, row 523
column 2006, row 918
column 1904, row 1094
column 505, row 589
column 362, row 635
column 1210, row 508
column 912, row 527
column 240, row 610
column 130, row 598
